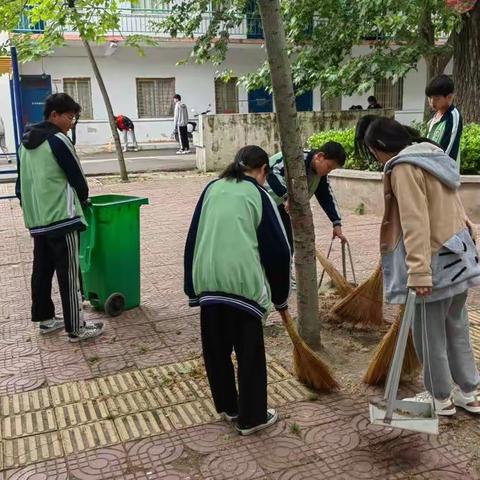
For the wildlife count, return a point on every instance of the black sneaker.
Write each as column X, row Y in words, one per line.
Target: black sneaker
column 272, row 417
column 89, row 330
column 52, row 325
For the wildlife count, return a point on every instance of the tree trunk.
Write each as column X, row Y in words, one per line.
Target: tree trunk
column 436, row 65
column 466, row 65
column 436, row 62
column 108, row 105
column 299, row 201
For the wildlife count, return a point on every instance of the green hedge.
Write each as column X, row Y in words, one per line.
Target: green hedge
column 470, row 148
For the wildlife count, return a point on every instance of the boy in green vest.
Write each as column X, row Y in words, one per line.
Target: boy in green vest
column 52, row 188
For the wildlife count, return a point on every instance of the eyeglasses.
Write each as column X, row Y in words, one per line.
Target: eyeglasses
column 73, row 118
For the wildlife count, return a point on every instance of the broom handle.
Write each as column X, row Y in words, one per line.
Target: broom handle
column 328, row 256
column 393, row 379
column 344, row 261
column 351, row 264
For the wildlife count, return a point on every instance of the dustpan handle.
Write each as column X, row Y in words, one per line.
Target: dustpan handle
column 328, row 256
column 393, row 379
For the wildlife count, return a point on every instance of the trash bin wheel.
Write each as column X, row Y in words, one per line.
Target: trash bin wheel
column 115, row 304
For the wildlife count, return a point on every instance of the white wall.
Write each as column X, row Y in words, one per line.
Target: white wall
column 5, row 105
column 6, row 111
column 194, row 82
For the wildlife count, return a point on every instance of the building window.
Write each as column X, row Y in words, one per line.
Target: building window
column 389, row 94
column 80, row 90
column 332, row 103
column 226, row 96
column 155, row 97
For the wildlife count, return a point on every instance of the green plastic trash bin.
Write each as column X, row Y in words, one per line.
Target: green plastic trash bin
column 110, row 253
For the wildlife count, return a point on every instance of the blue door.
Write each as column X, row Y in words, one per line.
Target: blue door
column 260, row 101
column 305, row 102
column 34, row 89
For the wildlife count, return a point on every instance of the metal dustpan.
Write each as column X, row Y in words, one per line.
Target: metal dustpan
column 408, row 415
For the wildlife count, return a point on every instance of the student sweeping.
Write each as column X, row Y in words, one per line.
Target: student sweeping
column 318, row 164
column 427, row 245
column 237, row 262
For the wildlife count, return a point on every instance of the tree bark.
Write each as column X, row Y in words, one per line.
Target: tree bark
column 466, row 65
column 298, row 196
column 108, row 105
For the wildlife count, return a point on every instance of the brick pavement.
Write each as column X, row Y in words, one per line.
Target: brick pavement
column 134, row 403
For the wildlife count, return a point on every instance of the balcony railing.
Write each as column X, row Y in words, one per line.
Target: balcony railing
column 143, row 22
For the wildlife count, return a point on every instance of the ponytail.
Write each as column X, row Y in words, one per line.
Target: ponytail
column 247, row 159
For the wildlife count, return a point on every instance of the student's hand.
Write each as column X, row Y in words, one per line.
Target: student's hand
column 423, row 291
column 337, row 233
column 472, row 228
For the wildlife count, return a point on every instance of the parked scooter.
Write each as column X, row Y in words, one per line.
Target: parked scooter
column 192, row 124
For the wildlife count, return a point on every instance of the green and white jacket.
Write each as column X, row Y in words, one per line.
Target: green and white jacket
column 237, row 252
column 51, row 184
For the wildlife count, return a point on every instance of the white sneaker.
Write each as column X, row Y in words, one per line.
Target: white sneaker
column 89, row 330
column 469, row 402
column 185, row 152
column 272, row 417
column 229, row 418
column 444, row 408
column 179, row 152
column 48, row 326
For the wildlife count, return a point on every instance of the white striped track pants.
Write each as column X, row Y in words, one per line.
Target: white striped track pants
column 57, row 254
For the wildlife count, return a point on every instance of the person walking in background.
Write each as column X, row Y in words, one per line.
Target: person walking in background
column 52, row 189
column 446, row 125
column 180, row 121
column 237, row 262
column 373, row 103
column 3, row 144
column 126, row 126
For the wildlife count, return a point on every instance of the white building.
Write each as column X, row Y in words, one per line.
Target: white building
column 142, row 87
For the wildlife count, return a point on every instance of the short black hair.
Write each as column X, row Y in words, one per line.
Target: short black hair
column 60, row 103
column 178, row 97
column 442, row 85
column 371, row 98
column 333, row 151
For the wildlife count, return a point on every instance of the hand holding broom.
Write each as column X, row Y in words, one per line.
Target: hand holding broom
column 309, row 368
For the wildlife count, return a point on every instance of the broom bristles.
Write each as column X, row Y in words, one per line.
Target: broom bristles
column 383, row 355
column 343, row 287
column 309, row 368
column 365, row 304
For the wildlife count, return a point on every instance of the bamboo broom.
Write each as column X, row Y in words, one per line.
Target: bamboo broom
column 382, row 357
column 343, row 287
column 365, row 304
column 309, row 368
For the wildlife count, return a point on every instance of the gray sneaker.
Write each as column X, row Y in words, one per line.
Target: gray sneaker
column 89, row 330
column 48, row 326
column 272, row 417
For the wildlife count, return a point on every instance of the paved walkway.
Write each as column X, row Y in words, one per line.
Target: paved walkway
column 134, row 404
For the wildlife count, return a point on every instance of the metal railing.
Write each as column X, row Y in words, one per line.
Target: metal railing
column 135, row 21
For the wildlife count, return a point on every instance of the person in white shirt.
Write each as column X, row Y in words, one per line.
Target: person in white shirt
column 180, row 120
column 3, row 144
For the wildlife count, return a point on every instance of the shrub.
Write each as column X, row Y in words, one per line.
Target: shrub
column 470, row 147
column 346, row 138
